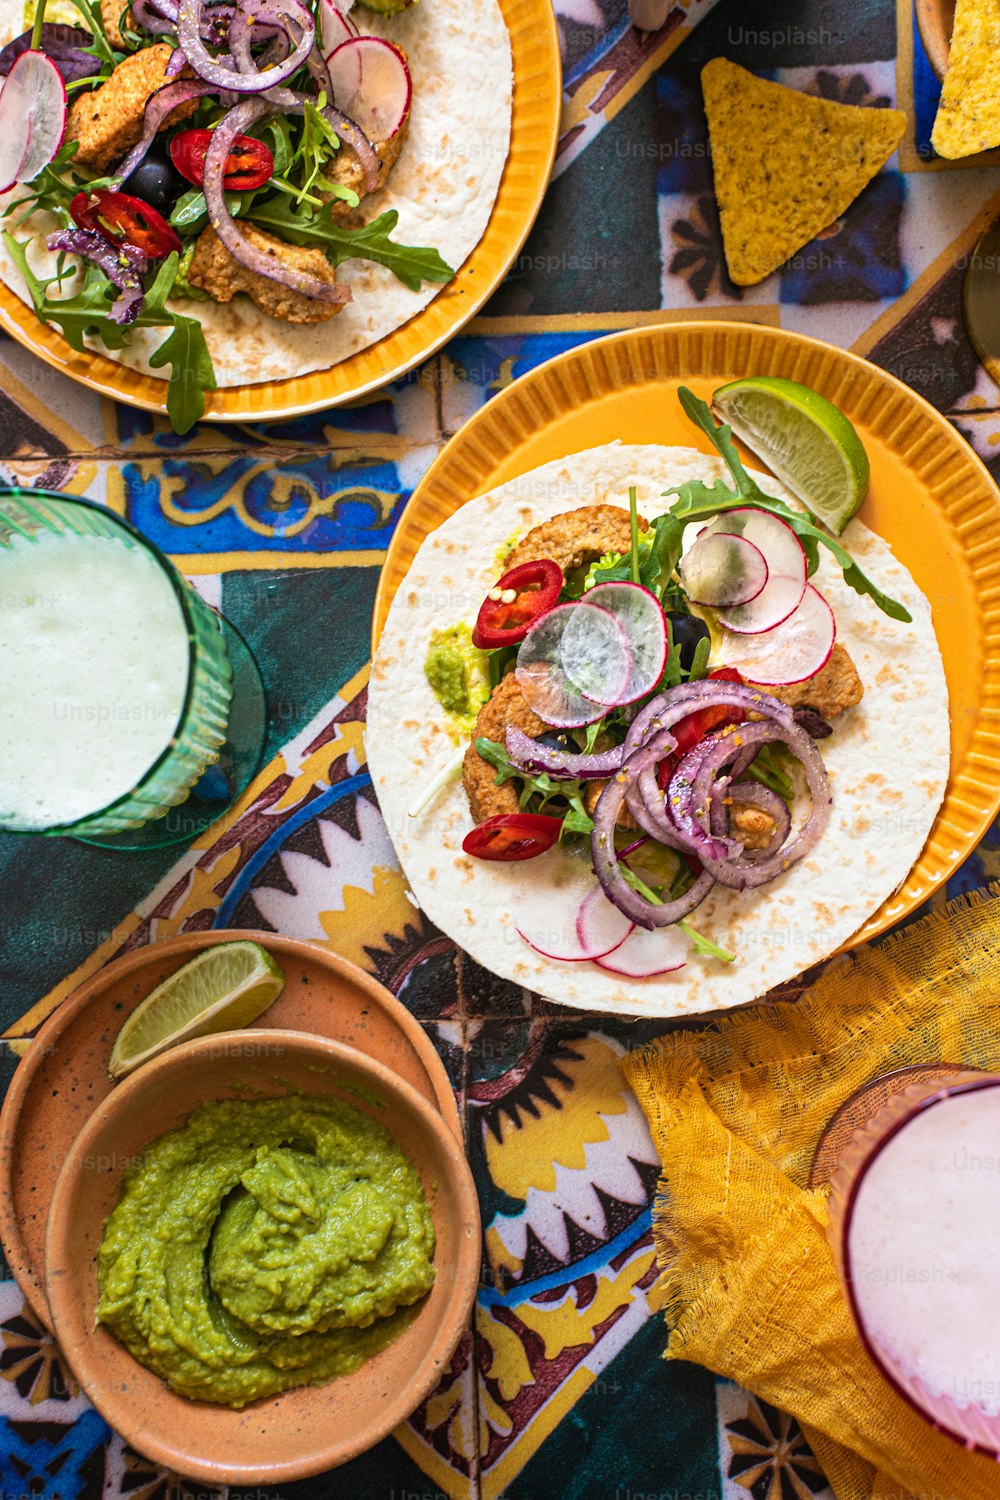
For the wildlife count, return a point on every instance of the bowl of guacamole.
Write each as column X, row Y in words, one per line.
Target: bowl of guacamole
column 261, row 1253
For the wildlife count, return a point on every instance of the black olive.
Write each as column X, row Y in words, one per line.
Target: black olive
column 687, row 631
column 156, row 182
column 561, row 741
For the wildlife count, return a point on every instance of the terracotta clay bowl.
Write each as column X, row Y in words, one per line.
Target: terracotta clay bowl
column 312, row 1428
column 936, row 21
column 64, row 1075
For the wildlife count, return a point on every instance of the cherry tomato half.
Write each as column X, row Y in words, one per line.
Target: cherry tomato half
column 534, row 589
column 121, row 219
column 511, row 836
column 689, row 731
column 248, row 165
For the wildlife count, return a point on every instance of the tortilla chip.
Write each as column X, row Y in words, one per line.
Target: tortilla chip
column 968, row 117
column 786, row 164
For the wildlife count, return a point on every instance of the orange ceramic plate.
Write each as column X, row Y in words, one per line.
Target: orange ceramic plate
column 930, row 498
column 64, row 1074
column 534, row 134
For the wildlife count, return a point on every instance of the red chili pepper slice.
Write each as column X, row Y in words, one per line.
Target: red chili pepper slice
column 536, row 587
column 510, row 836
column 123, row 220
column 687, row 732
column 248, row 165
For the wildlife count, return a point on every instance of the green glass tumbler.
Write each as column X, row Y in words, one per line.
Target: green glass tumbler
column 211, row 751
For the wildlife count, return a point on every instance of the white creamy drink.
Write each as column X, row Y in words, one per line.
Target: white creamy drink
column 93, row 673
column 924, row 1247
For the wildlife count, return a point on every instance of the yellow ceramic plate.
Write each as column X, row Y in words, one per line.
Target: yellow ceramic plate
column 930, row 498
column 534, row 134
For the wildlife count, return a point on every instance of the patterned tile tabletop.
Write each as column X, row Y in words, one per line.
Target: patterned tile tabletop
column 558, row 1389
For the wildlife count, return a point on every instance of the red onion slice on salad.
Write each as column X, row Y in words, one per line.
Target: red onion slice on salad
column 742, row 873
column 190, row 17
column 123, row 265
column 235, row 123
column 159, row 105
column 563, row 765
column 751, row 794
column 604, row 855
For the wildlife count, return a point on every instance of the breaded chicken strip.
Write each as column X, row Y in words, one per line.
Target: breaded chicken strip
column 346, row 169
column 833, row 690
column 508, row 707
column 108, row 122
column 215, row 271
column 576, row 537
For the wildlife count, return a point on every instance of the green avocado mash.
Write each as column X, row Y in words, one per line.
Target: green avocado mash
column 457, row 671
column 265, row 1244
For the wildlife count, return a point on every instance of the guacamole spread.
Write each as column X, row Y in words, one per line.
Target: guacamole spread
column 265, row 1244
column 458, row 673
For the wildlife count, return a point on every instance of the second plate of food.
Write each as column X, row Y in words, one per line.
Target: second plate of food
column 462, row 101
column 901, row 678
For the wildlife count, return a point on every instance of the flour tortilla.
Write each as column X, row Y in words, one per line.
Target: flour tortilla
column 887, row 758
column 443, row 186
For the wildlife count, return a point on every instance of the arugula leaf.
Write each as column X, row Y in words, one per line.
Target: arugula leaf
column 101, row 47
column 575, row 820
column 87, row 311
column 191, row 372
column 699, row 660
column 410, row 264
column 498, row 661
column 593, row 730
column 704, row 947
column 699, row 501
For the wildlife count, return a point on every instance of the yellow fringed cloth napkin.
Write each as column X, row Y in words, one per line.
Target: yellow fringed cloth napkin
column 736, row 1111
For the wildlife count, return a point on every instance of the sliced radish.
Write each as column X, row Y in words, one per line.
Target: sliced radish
column 722, row 570
column 640, row 617
column 335, row 26
column 32, row 118
column 595, row 655
column 793, row 651
column 555, row 924
column 786, row 568
column 645, row 953
column 600, row 927
column 597, row 650
column 371, row 84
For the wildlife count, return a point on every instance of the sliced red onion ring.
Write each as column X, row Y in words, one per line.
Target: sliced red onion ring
column 605, row 857
column 149, row 18
column 159, row 105
column 190, row 16
column 177, row 63
column 123, row 265
column 563, row 765
column 751, row 794
column 688, row 805
column 645, row 799
column 235, row 123
column 742, row 873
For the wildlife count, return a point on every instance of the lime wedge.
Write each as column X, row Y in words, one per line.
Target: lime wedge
column 222, row 989
column 804, row 439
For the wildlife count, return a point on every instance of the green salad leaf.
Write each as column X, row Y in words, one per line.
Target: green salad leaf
column 410, row 264
column 86, row 312
column 576, row 818
column 699, row 502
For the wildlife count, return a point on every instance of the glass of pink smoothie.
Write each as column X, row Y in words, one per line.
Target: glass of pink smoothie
column 914, row 1224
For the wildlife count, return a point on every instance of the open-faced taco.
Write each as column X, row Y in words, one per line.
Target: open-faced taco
column 647, row 738
column 246, row 190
